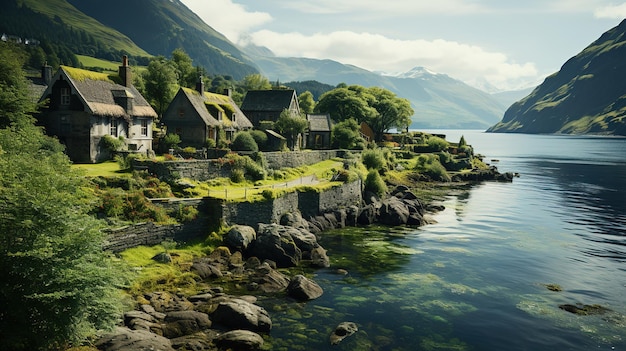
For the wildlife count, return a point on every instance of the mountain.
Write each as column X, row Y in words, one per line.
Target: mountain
column 161, row 26
column 438, row 100
column 586, row 96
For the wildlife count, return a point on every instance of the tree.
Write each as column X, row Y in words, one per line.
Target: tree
column 244, row 142
column 291, row 125
column 160, row 81
column 15, row 104
column 392, row 111
column 306, row 102
column 343, row 104
column 256, row 82
column 57, row 285
column 346, row 135
column 183, row 65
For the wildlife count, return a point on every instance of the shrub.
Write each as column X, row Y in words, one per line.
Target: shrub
column 260, row 138
column 244, row 142
column 186, row 213
column 374, row 159
column 189, row 150
column 430, row 166
column 374, row 183
column 210, row 143
column 126, row 161
column 171, row 141
column 112, row 144
column 237, row 175
column 437, row 144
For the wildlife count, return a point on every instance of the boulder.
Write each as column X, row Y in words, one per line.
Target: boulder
column 294, row 219
column 275, row 243
column 303, row 289
column 267, row 279
column 162, row 257
column 393, row 212
column 240, row 314
column 197, row 342
column 342, row 331
column 124, row 339
column 239, row 237
column 239, row 340
column 367, row 215
column 319, row 258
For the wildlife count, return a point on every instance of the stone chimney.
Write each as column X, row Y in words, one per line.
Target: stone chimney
column 229, row 92
column 125, row 73
column 200, row 85
column 46, row 73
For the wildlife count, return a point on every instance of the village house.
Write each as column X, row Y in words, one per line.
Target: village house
column 319, row 133
column 84, row 106
column 267, row 105
column 196, row 115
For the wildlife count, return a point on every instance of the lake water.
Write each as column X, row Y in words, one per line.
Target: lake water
column 478, row 279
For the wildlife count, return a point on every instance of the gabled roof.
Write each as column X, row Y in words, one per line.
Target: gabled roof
column 98, row 93
column 207, row 102
column 319, row 123
column 268, row 100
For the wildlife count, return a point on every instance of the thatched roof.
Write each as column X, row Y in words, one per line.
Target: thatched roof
column 208, row 104
column 98, row 94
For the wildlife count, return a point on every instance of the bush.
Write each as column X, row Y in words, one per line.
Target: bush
column 437, row 144
column 171, row 141
column 186, row 213
column 374, row 183
column 112, row 144
column 374, row 159
column 237, row 175
column 210, row 143
column 430, row 166
column 244, row 142
column 260, row 138
column 126, row 161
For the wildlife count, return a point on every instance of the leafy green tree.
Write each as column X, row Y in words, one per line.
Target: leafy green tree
column 160, row 82
column 57, row 285
column 183, row 65
column 343, row 104
column 256, row 82
column 306, row 102
column 346, row 135
column 15, row 104
column 392, row 111
column 260, row 137
column 291, row 125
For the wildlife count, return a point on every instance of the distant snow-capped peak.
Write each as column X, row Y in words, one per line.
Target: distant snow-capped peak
column 416, row 72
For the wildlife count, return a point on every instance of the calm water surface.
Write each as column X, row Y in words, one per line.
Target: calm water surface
column 477, row 280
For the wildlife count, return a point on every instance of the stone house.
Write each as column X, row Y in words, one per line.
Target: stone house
column 84, row 106
column 319, row 133
column 196, row 115
column 267, row 105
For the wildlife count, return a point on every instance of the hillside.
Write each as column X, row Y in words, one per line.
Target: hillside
column 587, row 95
column 160, row 26
column 438, row 100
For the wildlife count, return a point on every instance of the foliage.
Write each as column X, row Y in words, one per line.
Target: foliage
column 306, row 102
column 186, row 213
column 260, row 138
column 374, row 183
column 126, row 161
column 379, row 107
column 374, row 159
column 160, row 83
column 57, row 286
column 291, row 125
column 244, row 142
column 183, row 65
column 437, row 144
column 256, row 82
column 346, row 135
column 248, row 168
column 130, row 206
column 171, row 141
column 210, row 143
column 430, row 166
column 316, row 88
column 111, row 143
column 237, row 175
column 15, row 104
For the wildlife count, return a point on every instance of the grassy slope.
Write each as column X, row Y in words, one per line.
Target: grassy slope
column 77, row 19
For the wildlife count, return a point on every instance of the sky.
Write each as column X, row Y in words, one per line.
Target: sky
column 496, row 45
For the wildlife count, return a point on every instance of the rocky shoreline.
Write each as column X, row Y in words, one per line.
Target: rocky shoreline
column 252, row 257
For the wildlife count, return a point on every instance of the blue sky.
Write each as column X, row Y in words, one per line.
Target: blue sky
column 503, row 44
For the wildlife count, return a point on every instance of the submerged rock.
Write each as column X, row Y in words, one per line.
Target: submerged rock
column 303, row 289
column 342, row 331
column 239, row 340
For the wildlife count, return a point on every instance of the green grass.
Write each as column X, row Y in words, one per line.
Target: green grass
column 104, row 169
column 88, row 61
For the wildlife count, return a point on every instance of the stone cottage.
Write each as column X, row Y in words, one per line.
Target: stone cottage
column 84, row 106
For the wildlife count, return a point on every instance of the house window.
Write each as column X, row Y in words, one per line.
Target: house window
column 65, row 96
column 234, row 119
column 219, row 116
column 144, row 127
column 181, row 113
column 113, row 128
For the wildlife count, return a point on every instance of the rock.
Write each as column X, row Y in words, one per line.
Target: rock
column 367, row 215
column 239, row 237
column 124, row 339
column 393, row 212
column 198, row 341
column 162, row 257
column 304, row 289
column 294, row 219
column 267, row 279
column 240, row 314
column 137, row 320
column 342, row 331
column 239, row 340
column 200, row 297
column 206, row 270
column 274, row 242
column 181, row 323
column 319, row 258
column 352, row 213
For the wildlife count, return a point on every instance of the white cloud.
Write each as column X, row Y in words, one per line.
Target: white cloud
column 396, row 7
column 378, row 53
column 612, row 11
column 238, row 21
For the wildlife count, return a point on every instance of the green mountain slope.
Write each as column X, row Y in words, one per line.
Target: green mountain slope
column 587, row 96
column 160, row 26
column 58, row 23
column 438, row 100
